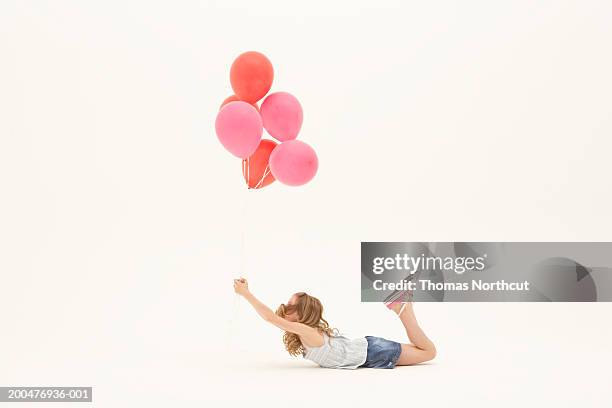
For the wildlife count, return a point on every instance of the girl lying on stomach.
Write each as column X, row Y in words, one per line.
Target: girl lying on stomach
column 308, row 334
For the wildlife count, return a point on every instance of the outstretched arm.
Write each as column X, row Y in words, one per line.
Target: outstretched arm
column 264, row 311
column 310, row 334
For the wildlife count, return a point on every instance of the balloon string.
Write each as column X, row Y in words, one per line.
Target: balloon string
column 235, row 303
column 248, row 166
column 265, row 174
column 242, row 231
column 246, row 171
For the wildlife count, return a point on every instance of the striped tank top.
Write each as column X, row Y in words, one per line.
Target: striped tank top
column 338, row 352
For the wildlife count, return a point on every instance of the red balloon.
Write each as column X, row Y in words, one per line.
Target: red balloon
column 251, row 76
column 256, row 168
column 234, row 98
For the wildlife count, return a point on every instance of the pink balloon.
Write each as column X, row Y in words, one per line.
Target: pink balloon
column 239, row 128
column 293, row 163
column 282, row 116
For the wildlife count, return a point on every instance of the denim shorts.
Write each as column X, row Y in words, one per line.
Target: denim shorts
column 382, row 353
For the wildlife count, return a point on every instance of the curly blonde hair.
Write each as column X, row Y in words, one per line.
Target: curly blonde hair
column 310, row 312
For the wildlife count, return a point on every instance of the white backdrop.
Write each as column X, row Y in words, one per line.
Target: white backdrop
column 433, row 121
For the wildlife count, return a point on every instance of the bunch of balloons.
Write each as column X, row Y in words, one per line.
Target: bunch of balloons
column 240, row 123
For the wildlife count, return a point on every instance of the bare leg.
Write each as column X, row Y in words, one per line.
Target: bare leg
column 422, row 349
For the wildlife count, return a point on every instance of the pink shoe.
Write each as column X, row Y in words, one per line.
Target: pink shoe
column 399, row 297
